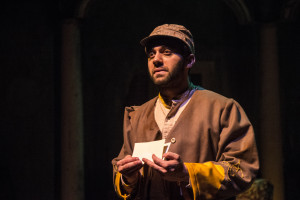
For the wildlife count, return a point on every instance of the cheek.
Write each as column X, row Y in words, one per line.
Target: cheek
column 150, row 67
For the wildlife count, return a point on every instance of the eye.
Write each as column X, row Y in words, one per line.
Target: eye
column 151, row 54
column 167, row 52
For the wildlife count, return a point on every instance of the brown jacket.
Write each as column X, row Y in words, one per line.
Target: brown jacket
column 211, row 128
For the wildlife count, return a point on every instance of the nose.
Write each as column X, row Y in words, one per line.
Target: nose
column 157, row 60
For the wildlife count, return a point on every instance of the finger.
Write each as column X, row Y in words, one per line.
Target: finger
column 130, row 166
column 167, row 164
column 171, row 156
column 126, row 160
column 171, row 165
column 154, row 166
column 129, row 171
column 128, row 156
column 146, row 161
column 159, row 162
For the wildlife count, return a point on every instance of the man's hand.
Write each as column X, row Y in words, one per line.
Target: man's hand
column 129, row 168
column 171, row 168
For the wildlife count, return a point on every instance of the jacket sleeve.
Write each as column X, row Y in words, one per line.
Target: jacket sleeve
column 127, row 149
column 236, row 162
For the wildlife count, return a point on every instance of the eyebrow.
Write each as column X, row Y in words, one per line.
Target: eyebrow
column 163, row 47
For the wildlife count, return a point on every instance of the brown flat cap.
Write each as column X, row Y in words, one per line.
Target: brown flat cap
column 174, row 31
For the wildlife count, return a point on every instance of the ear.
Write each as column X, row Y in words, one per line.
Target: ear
column 190, row 61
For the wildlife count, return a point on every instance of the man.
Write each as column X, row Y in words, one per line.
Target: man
column 213, row 152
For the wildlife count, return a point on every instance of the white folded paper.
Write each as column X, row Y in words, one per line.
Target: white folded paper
column 147, row 149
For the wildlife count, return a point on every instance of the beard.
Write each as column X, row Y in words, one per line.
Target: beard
column 173, row 77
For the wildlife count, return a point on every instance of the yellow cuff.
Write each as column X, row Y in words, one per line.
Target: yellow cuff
column 117, row 184
column 205, row 178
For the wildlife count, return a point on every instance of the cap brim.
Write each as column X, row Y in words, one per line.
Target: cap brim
column 152, row 38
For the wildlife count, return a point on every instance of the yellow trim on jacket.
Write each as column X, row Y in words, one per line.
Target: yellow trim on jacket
column 205, row 179
column 117, row 184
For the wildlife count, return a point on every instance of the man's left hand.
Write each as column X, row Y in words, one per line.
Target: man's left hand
column 171, row 167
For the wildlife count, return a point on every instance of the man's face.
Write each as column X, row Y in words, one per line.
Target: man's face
column 166, row 66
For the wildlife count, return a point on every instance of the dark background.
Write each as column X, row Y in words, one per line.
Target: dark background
column 114, row 75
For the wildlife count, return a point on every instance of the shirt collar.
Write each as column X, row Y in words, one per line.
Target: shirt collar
column 180, row 98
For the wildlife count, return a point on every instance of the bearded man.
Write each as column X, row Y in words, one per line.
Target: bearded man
column 212, row 154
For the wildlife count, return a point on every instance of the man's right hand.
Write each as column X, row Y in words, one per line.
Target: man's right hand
column 129, row 168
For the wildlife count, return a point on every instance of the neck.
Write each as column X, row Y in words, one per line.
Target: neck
column 169, row 93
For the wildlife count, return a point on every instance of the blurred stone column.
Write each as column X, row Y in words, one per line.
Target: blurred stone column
column 72, row 168
column 270, row 132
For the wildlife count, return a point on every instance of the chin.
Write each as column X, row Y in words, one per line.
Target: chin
column 161, row 83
